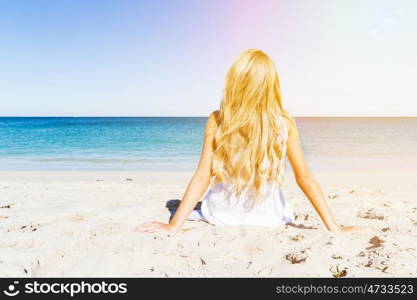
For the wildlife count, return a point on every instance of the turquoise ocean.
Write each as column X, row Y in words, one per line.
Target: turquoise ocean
column 174, row 143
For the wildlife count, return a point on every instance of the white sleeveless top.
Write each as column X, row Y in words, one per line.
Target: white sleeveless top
column 222, row 207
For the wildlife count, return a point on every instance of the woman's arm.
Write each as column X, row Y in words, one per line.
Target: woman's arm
column 196, row 188
column 307, row 181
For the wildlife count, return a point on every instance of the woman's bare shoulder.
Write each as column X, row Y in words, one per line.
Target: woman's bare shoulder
column 214, row 118
column 215, row 114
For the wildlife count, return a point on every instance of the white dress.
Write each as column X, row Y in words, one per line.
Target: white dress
column 222, row 207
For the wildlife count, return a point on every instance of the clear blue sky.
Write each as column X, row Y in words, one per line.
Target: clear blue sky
column 169, row 57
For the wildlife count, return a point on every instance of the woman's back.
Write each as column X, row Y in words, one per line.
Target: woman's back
column 223, row 206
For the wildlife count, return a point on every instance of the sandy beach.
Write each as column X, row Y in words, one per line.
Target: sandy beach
column 80, row 224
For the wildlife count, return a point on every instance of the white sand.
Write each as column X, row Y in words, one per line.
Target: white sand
column 70, row 224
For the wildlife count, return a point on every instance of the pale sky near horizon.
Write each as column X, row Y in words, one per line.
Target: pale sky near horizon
column 169, row 58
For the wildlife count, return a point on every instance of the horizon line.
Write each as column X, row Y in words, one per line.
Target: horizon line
column 205, row 116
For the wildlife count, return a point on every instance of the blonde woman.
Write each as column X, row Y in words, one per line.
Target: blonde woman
column 243, row 156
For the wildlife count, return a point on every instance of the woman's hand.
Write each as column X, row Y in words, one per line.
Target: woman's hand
column 347, row 229
column 150, row 227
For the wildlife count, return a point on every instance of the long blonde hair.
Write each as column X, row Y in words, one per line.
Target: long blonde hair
column 249, row 147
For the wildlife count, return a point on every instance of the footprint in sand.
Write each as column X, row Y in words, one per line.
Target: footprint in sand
column 370, row 214
column 301, row 216
column 338, row 272
column 29, row 228
column 297, row 238
column 297, row 257
column 300, row 226
column 375, row 256
column 375, row 243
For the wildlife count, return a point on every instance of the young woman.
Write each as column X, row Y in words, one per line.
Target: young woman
column 243, row 156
